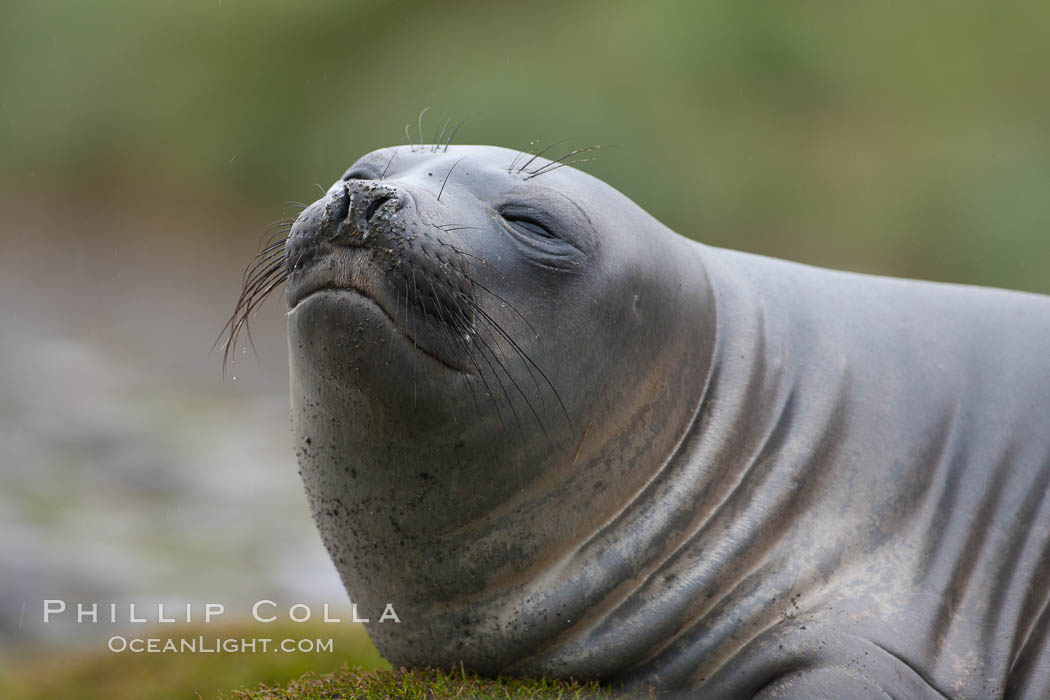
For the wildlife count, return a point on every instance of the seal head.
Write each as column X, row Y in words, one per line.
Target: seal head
column 485, row 362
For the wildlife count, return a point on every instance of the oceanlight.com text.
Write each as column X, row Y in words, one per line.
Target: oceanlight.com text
column 213, row 645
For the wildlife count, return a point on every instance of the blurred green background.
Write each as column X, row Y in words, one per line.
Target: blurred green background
column 905, row 138
column 145, row 147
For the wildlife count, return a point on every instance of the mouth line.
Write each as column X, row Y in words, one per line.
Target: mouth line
column 302, row 296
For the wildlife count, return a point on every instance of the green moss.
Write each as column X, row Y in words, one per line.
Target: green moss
column 421, row 684
column 353, row 669
column 100, row 674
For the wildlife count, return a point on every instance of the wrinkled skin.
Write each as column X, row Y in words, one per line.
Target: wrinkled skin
column 560, row 438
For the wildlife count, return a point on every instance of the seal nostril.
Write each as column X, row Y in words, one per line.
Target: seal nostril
column 374, row 205
column 338, row 207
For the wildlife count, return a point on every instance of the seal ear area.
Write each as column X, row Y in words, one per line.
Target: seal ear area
column 360, row 171
column 373, row 166
column 356, row 174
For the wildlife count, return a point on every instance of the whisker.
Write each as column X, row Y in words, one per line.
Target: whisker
column 456, row 130
column 447, row 176
column 499, row 329
column 506, row 370
column 383, row 176
column 275, row 234
column 484, row 382
column 424, row 111
column 527, row 362
column 265, row 259
column 560, row 165
column 397, row 307
column 275, row 245
column 540, row 153
column 243, row 313
column 525, row 356
column 415, row 388
column 475, row 283
column 538, row 170
column 258, row 282
column 437, row 139
column 254, row 277
column 503, row 388
column 262, row 275
column 446, row 330
column 448, row 334
column 511, row 166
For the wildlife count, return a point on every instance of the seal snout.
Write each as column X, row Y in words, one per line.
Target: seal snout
column 373, row 206
column 369, row 206
column 349, row 215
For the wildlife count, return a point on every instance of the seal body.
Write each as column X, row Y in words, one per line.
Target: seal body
column 559, row 438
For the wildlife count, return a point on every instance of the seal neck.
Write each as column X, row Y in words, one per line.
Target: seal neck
column 692, row 559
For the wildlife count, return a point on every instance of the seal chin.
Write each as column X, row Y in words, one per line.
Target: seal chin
column 353, row 286
column 313, row 281
column 353, row 298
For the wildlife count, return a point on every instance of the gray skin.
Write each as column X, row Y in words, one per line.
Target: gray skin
column 562, row 439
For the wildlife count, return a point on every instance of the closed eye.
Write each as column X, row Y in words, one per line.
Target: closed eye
column 540, row 238
column 531, row 225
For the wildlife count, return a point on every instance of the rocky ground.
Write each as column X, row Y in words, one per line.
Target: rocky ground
column 130, row 469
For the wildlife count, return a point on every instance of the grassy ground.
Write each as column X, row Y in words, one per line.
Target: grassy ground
column 353, row 670
column 100, row 674
column 379, row 685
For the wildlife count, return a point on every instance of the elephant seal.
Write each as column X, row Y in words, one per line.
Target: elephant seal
column 561, row 439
